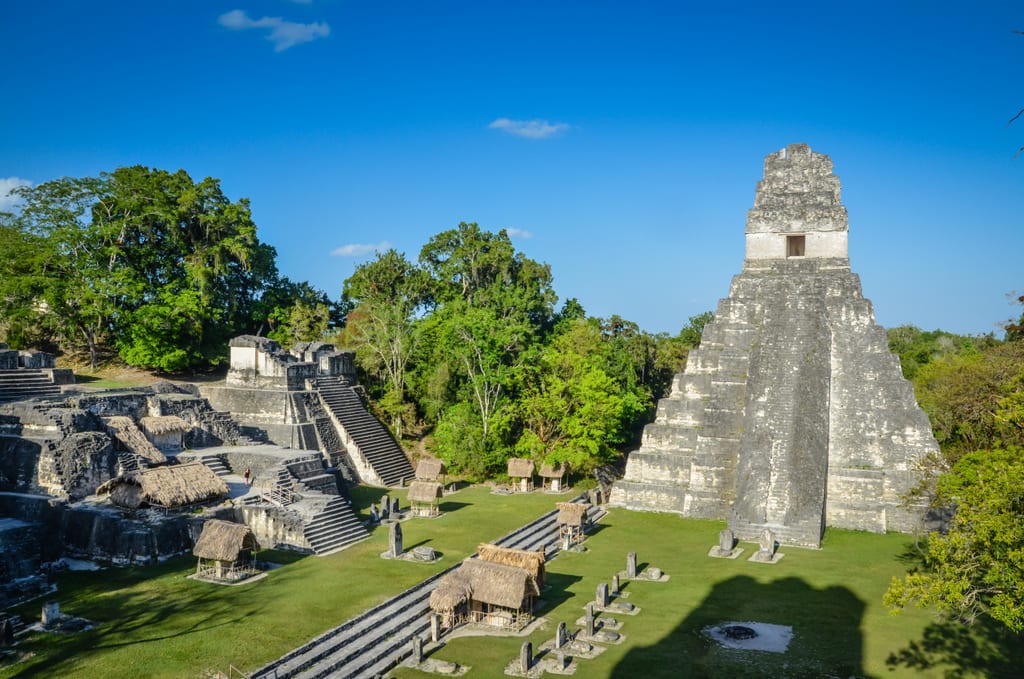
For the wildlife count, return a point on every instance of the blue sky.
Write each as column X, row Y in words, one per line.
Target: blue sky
column 620, row 142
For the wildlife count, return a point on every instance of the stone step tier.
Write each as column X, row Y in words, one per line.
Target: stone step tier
column 373, row 440
column 216, row 464
column 335, row 527
column 16, row 385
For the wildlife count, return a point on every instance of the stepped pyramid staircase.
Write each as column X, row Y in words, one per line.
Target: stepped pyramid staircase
column 334, row 527
column 368, row 438
column 26, row 383
column 329, row 523
column 216, row 464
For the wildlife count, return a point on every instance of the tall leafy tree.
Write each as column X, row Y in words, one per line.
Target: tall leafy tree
column 977, row 567
column 56, row 266
column 386, row 294
column 573, row 410
column 491, row 305
column 184, row 257
column 168, row 268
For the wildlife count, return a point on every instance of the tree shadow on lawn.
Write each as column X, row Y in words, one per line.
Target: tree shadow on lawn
column 825, row 623
column 449, row 506
column 985, row 649
column 556, row 591
column 364, row 497
column 126, row 618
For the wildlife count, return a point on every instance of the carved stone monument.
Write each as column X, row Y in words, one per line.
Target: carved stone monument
column 417, row 649
column 589, row 620
column 792, row 413
column 561, row 635
column 435, row 628
column 601, row 596
column 631, row 565
column 726, row 541
column 525, row 656
column 395, row 507
column 615, row 585
column 51, row 615
column 395, row 540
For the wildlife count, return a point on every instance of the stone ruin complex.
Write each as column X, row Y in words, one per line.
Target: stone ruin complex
column 65, row 456
column 308, row 398
column 792, row 414
column 30, row 373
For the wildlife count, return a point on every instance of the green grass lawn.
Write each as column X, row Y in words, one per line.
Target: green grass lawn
column 153, row 622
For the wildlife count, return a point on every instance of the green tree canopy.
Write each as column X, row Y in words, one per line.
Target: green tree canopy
column 977, row 567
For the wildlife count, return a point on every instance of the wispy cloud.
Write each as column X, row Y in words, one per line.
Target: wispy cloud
column 360, row 249
column 8, row 184
column 513, row 232
column 531, row 129
column 283, row 34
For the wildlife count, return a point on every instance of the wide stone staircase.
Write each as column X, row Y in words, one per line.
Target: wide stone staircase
column 782, row 463
column 302, row 485
column 335, row 527
column 23, row 383
column 372, row 439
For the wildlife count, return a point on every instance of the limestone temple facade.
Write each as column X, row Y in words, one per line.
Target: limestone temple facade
column 792, row 414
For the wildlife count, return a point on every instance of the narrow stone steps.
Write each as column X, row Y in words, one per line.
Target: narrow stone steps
column 374, row 441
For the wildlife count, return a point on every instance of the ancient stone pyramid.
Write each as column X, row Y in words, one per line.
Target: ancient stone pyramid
column 792, row 414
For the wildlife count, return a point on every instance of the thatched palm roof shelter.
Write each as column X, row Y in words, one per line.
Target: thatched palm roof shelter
column 430, row 469
column 223, row 550
column 528, row 560
column 168, row 486
column 223, row 541
column 554, row 471
column 163, row 424
column 553, row 474
column 572, row 513
column 572, row 520
column 424, row 497
column 522, row 469
column 484, row 591
column 165, row 431
column 131, row 438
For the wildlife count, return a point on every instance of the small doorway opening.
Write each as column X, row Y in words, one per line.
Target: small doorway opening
column 795, row 246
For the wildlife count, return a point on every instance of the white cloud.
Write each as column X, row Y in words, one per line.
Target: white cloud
column 360, row 249
column 8, row 184
column 283, row 34
column 531, row 129
column 513, row 232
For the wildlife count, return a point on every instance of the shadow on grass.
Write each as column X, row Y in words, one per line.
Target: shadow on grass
column 419, row 544
column 127, row 617
column 281, row 557
column 825, row 623
column 985, row 649
column 594, row 529
column 363, row 497
column 449, row 506
column 556, row 590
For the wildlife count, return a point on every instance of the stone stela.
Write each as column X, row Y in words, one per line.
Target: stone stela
column 395, row 540
column 792, row 413
column 525, row 656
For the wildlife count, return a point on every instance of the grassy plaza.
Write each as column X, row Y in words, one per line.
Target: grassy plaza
column 154, row 622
